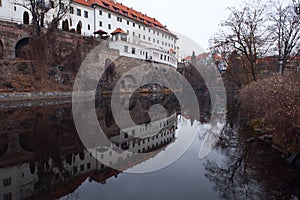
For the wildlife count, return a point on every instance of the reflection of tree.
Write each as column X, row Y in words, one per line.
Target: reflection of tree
column 250, row 171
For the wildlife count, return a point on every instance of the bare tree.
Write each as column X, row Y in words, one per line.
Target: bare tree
column 245, row 32
column 285, row 31
column 39, row 9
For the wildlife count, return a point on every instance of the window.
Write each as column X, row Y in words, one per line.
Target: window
column 139, row 26
column 78, row 12
column 127, row 32
column 144, row 28
column 149, row 39
column 100, row 23
column 133, row 24
column 7, row 196
column 162, row 42
column 100, row 12
column 119, row 19
column 128, row 22
column 6, row 182
column 81, row 167
column 15, row 8
column 71, row 10
column 86, row 14
column 74, row 170
column 133, row 50
column 109, row 15
column 153, row 31
column 89, row 27
column 133, row 33
column 153, row 40
column 88, row 166
column 157, row 41
column 109, row 26
column 126, row 49
column 139, row 35
column 144, row 37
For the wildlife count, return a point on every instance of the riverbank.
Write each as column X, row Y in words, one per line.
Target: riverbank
column 271, row 107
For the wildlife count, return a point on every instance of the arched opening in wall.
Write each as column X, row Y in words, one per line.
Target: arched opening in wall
column 25, row 17
column 24, row 140
column 79, row 27
column 1, row 50
column 22, row 49
column 3, row 145
column 65, row 25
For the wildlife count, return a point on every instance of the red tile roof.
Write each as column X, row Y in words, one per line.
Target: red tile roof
column 172, row 50
column 100, row 32
column 125, row 11
column 118, row 30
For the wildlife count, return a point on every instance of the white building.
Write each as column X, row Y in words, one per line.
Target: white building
column 146, row 38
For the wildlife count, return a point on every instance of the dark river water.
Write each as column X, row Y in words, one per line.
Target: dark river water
column 42, row 156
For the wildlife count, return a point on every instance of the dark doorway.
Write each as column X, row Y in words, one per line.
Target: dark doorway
column 22, row 49
column 25, row 18
column 79, row 27
column 65, row 25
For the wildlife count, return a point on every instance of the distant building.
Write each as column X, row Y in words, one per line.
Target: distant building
column 135, row 34
column 218, row 60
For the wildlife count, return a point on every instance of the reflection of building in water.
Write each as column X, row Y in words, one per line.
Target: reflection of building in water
column 64, row 172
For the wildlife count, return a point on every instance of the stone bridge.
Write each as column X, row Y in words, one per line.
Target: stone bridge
column 12, row 37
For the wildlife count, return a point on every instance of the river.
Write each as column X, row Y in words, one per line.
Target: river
column 42, row 156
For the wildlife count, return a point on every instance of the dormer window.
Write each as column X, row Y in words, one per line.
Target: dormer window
column 116, row 9
column 105, row 4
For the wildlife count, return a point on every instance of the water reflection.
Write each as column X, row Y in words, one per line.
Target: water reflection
column 42, row 157
column 251, row 171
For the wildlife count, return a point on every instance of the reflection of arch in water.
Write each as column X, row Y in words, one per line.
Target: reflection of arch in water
column 3, row 148
column 128, row 81
column 24, row 140
column 1, row 50
column 21, row 49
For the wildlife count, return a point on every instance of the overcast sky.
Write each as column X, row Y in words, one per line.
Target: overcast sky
column 196, row 19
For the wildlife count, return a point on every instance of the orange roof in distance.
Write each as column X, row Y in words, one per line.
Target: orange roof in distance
column 118, row 30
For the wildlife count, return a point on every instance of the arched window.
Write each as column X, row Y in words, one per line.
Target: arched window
column 21, row 49
column 79, row 27
column 25, row 18
column 65, row 25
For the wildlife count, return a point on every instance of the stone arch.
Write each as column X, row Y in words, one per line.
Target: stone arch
column 128, row 81
column 1, row 50
column 25, row 17
column 65, row 25
column 24, row 140
column 22, row 49
column 79, row 27
column 3, row 145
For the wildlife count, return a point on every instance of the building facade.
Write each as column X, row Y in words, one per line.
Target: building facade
column 144, row 37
